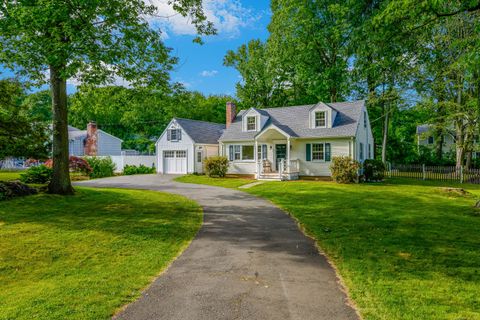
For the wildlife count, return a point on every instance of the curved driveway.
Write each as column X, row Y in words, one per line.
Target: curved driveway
column 248, row 261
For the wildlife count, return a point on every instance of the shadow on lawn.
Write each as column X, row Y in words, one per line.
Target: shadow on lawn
column 94, row 210
column 387, row 231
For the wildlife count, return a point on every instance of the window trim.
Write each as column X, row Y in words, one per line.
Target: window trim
column 178, row 137
column 322, row 152
column 324, row 112
column 238, row 149
column 199, row 156
column 361, row 154
column 261, row 155
column 254, row 123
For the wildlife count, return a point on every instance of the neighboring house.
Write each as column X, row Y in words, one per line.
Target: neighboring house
column 93, row 142
column 426, row 138
column 184, row 144
column 288, row 142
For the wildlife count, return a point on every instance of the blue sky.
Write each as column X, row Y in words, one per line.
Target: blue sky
column 200, row 67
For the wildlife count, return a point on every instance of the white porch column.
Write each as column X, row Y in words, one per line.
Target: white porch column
column 255, row 156
column 288, row 155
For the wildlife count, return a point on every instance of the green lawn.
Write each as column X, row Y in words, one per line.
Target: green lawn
column 221, row 182
column 9, row 175
column 405, row 249
column 85, row 256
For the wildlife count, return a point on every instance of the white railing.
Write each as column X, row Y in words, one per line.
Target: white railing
column 259, row 168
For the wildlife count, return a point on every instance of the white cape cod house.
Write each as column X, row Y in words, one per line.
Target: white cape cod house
column 275, row 143
column 289, row 142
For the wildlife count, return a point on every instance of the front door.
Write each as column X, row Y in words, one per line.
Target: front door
column 280, row 153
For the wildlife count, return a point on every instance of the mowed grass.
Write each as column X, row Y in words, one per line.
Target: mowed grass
column 405, row 249
column 220, row 182
column 85, row 256
column 9, row 175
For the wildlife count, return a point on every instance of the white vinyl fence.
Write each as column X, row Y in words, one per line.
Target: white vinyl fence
column 134, row 160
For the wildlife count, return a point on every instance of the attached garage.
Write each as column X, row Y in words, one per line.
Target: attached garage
column 184, row 145
column 175, row 161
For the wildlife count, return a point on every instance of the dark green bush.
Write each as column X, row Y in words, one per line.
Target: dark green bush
column 373, row 170
column 101, row 167
column 344, row 170
column 41, row 174
column 216, row 166
column 141, row 169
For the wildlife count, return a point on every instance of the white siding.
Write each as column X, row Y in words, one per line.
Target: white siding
column 339, row 147
column 186, row 143
column 108, row 145
column 207, row 150
column 365, row 137
column 448, row 142
column 240, row 166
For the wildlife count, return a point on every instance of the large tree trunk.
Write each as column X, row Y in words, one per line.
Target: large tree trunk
column 385, row 133
column 460, row 146
column 460, row 128
column 439, row 140
column 468, row 161
column 60, row 183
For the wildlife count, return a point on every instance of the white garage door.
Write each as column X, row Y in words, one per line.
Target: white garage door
column 175, row 161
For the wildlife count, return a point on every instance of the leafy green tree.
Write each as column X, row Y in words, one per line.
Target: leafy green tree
column 21, row 135
column 91, row 40
column 139, row 115
column 304, row 60
column 257, row 88
column 39, row 105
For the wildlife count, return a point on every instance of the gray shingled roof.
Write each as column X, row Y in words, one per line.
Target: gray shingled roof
column 201, row 131
column 295, row 122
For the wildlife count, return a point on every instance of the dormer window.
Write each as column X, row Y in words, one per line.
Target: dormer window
column 174, row 135
column 320, row 119
column 251, row 123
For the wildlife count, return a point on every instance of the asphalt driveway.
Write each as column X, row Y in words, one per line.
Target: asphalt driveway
column 249, row 261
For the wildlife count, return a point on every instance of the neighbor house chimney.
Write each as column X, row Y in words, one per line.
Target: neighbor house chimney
column 231, row 113
column 91, row 140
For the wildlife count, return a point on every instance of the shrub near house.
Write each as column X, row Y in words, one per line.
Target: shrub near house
column 131, row 170
column 101, row 167
column 216, row 166
column 344, row 170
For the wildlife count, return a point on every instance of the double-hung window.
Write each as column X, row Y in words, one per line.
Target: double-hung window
column 318, row 152
column 361, row 151
column 251, row 123
column 320, row 119
column 241, row 152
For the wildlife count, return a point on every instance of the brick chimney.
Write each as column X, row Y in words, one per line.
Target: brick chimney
column 231, row 113
column 91, row 141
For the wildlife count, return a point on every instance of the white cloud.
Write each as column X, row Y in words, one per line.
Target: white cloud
column 228, row 16
column 208, row 74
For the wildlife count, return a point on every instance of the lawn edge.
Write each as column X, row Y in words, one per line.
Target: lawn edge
column 123, row 307
column 349, row 301
column 343, row 287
